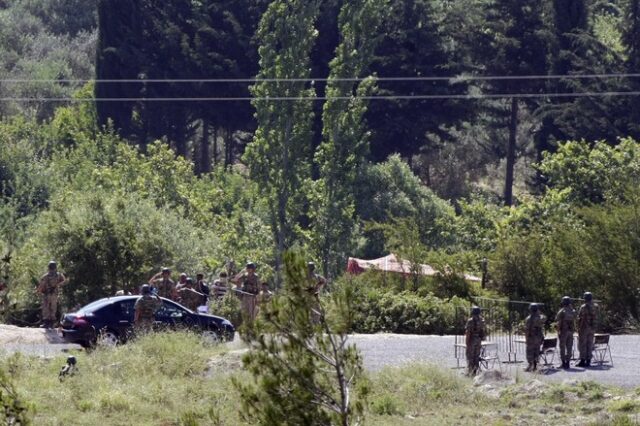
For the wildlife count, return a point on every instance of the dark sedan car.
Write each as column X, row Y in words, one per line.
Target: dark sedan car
column 110, row 321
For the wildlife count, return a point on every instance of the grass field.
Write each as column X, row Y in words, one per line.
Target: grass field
column 175, row 379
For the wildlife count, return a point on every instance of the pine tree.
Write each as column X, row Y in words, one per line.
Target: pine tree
column 118, row 57
column 304, row 370
column 342, row 154
column 631, row 39
column 570, row 26
column 414, row 45
column 516, row 46
column 279, row 155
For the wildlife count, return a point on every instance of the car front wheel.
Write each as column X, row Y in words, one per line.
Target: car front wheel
column 211, row 336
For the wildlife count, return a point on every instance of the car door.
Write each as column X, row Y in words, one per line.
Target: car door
column 125, row 315
column 170, row 315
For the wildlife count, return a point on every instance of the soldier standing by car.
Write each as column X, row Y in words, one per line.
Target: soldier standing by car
column 534, row 336
column 145, row 309
column 247, row 289
column 48, row 287
column 565, row 320
column 163, row 283
column 188, row 296
column 586, row 330
column 203, row 288
column 474, row 333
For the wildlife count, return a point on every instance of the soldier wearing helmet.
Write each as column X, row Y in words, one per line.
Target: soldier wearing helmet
column 49, row 286
column 565, row 325
column 534, row 336
column 474, row 332
column 145, row 309
column 586, row 330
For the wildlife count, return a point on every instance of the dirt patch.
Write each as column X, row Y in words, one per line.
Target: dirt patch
column 10, row 334
column 226, row 362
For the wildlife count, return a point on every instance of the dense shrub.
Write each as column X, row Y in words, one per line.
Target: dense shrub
column 377, row 309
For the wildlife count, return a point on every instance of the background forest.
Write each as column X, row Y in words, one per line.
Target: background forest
column 186, row 133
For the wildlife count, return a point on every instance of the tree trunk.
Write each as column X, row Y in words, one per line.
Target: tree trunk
column 215, row 145
column 205, row 160
column 228, row 145
column 511, row 153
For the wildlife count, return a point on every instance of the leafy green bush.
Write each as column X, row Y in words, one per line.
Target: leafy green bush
column 406, row 312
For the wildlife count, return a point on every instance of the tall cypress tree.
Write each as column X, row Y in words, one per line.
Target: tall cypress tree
column 278, row 156
column 343, row 151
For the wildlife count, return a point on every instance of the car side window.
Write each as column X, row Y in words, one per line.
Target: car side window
column 127, row 309
column 169, row 310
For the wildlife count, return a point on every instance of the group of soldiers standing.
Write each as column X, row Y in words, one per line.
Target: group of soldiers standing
column 475, row 333
column 193, row 294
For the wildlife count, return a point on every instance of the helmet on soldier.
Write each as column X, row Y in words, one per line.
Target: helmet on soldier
column 53, row 265
column 311, row 266
column 475, row 310
column 533, row 307
column 145, row 289
column 190, row 280
column 566, row 301
column 588, row 297
column 166, row 270
column 251, row 265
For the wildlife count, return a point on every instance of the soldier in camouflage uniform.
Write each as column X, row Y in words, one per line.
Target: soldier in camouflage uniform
column 474, row 333
column 565, row 320
column 586, row 330
column 145, row 309
column 248, row 285
column 48, row 287
column 534, row 336
column 188, row 296
column 164, row 285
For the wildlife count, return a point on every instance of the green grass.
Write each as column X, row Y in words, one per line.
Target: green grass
column 158, row 380
column 167, row 380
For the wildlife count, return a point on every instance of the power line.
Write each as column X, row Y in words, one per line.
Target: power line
column 456, row 78
column 325, row 98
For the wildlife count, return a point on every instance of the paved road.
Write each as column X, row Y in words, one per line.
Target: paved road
column 382, row 350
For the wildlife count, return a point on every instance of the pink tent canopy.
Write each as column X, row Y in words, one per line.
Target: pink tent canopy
column 392, row 263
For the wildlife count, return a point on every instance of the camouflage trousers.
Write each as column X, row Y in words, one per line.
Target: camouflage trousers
column 473, row 355
column 585, row 343
column 249, row 308
column 533, row 350
column 49, row 307
column 565, row 341
column 143, row 326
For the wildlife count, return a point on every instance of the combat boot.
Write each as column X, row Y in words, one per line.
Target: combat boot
column 529, row 367
column 582, row 363
column 587, row 363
